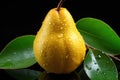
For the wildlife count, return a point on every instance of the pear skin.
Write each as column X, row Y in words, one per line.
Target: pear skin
column 58, row 46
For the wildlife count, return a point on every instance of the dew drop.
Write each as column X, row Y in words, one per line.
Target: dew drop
column 64, row 20
column 8, row 60
column 49, row 23
column 60, row 35
column 95, row 63
column 61, row 28
column 41, row 51
column 66, row 56
column 14, row 53
column 99, row 56
column 89, row 68
column 44, row 65
column 63, row 24
column 42, row 42
column 103, row 52
column 97, row 69
column 104, row 73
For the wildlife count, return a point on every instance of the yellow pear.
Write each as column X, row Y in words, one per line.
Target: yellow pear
column 58, row 46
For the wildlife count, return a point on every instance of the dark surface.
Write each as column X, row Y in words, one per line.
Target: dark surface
column 22, row 17
column 5, row 76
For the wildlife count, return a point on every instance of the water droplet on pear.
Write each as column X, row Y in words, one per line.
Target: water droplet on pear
column 60, row 35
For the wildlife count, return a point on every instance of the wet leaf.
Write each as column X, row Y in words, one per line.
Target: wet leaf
column 99, row 66
column 18, row 53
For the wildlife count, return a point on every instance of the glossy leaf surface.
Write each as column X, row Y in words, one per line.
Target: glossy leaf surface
column 24, row 74
column 99, row 66
column 99, row 35
column 18, row 53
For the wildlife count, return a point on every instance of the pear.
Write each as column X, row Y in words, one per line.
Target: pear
column 58, row 46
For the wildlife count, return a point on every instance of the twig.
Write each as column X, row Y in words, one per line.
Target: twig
column 116, row 58
column 60, row 4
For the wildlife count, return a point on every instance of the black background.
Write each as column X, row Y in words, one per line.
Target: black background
column 24, row 17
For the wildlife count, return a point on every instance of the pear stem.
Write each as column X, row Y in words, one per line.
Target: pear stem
column 116, row 58
column 60, row 4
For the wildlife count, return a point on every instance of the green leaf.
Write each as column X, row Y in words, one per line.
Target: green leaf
column 99, row 35
column 24, row 74
column 99, row 66
column 18, row 53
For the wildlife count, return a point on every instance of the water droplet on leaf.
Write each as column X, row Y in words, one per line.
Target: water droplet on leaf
column 104, row 73
column 14, row 53
column 8, row 60
column 89, row 68
column 103, row 52
column 97, row 69
column 95, row 63
column 99, row 56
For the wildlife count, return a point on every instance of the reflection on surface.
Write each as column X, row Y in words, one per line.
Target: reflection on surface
column 52, row 76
